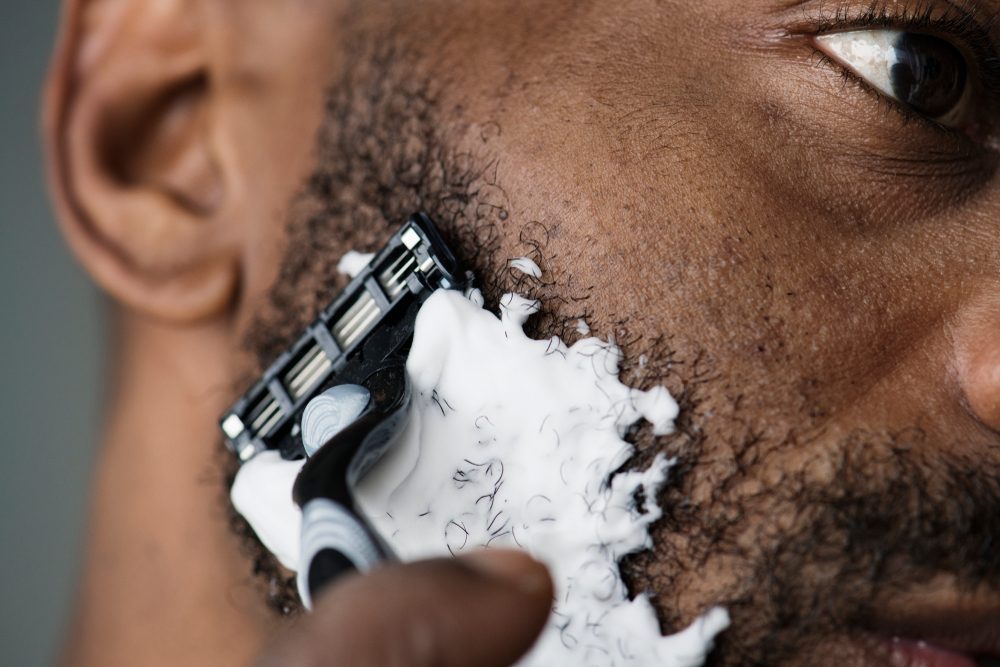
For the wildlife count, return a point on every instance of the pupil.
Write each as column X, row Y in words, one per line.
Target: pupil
column 928, row 75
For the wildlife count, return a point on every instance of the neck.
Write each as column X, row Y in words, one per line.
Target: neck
column 163, row 580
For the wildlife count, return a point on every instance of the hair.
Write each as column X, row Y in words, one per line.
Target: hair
column 798, row 547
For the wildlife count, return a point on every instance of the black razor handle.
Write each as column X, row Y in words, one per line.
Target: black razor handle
column 336, row 540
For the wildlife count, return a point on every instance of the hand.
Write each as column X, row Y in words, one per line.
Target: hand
column 484, row 610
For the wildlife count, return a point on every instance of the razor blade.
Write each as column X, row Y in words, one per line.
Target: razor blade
column 369, row 324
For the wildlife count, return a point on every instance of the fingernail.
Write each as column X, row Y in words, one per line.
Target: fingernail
column 512, row 567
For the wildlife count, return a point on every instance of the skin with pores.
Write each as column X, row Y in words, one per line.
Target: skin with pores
column 810, row 268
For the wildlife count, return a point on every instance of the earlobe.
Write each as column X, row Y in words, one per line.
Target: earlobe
column 129, row 130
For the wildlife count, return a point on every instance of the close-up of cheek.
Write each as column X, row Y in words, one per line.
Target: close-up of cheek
column 694, row 304
column 527, row 460
column 511, row 442
column 765, row 264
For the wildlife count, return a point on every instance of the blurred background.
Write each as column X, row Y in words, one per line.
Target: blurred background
column 51, row 346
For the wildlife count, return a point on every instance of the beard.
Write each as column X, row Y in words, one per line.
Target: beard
column 800, row 537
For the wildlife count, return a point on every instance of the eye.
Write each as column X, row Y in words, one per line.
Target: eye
column 926, row 74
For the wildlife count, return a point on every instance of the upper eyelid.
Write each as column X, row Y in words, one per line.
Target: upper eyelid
column 977, row 24
column 975, row 36
column 975, row 29
column 957, row 13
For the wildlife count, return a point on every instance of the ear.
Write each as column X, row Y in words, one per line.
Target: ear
column 139, row 185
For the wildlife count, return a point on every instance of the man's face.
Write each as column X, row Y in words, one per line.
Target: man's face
column 812, row 268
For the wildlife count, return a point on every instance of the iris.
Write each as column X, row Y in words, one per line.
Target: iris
column 929, row 74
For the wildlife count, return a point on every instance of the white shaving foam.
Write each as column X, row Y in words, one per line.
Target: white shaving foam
column 513, row 442
column 354, row 262
column 262, row 493
column 526, row 266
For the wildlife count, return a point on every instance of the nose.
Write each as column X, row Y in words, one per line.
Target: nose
column 978, row 360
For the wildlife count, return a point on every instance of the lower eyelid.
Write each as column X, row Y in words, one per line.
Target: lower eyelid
column 954, row 127
column 886, row 103
column 957, row 162
column 891, row 106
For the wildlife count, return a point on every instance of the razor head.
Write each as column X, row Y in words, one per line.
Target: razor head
column 367, row 325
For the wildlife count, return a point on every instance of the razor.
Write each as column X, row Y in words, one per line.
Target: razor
column 340, row 395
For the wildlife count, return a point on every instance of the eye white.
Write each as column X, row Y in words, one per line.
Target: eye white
column 870, row 54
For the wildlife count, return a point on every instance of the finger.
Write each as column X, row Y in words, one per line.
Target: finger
column 483, row 611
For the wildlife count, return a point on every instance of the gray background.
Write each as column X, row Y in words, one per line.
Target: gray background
column 50, row 378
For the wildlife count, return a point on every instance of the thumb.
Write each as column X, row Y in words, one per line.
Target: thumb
column 484, row 610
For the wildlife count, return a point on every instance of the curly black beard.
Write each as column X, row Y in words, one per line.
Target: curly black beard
column 887, row 517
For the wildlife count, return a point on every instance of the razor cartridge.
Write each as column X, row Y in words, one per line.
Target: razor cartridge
column 369, row 322
column 340, row 395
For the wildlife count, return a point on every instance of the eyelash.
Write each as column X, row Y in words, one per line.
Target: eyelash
column 969, row 33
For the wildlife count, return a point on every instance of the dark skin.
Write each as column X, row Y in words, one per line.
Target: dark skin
column 810, row 267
